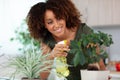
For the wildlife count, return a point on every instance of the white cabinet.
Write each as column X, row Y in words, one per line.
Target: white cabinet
column 99, row 12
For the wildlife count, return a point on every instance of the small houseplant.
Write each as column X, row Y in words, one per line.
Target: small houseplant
column 85, row 50
column 30, row 64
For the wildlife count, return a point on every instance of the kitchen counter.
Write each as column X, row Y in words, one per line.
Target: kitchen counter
column 115, row 75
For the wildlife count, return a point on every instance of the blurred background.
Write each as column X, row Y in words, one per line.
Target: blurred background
column 12, row 15
column 103, row 15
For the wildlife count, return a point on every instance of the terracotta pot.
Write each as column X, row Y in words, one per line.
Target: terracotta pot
column 25, row 78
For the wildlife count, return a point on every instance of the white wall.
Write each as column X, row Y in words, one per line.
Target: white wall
column 12, row 12
column 99, row 12
column 114, row 49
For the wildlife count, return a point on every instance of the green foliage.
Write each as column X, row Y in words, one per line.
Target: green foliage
column 30, row 63
column 22, row 35
column 85, row 48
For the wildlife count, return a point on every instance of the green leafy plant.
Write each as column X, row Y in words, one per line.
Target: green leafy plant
column 85, row 48
column 30, row 63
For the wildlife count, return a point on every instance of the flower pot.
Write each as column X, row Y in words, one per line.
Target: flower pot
column 94, row 75
column 25, row 78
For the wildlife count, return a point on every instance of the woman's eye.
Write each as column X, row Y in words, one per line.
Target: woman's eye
column 50, row 22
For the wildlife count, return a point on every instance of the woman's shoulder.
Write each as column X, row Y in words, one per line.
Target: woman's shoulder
column 85, row 28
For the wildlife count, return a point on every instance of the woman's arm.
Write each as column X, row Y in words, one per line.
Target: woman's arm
column 44, row 75
column 102, row 65
column 101, row 62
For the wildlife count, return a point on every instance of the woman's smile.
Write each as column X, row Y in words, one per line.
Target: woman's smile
column 56, row 26
column 58, row 29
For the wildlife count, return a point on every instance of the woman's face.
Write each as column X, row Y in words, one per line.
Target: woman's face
column 57, row 27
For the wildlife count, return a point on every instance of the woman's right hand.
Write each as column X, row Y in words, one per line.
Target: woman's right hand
column 60, row 50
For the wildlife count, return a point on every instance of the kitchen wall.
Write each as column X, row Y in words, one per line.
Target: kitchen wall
column 114, row 49
column 99, row 12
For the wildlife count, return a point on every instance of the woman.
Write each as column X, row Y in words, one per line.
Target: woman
column 54, row 21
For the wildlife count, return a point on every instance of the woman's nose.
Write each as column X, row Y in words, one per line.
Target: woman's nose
column 56, row 23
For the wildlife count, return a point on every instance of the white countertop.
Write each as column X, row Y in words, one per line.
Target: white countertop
column 115, row 75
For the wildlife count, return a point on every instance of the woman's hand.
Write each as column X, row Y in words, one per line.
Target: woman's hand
column 60, row 50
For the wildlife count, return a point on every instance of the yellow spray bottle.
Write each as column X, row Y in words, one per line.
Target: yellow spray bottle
column 61, row 63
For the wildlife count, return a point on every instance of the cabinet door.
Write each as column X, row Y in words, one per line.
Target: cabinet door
column 99, row 12
column 116, row 11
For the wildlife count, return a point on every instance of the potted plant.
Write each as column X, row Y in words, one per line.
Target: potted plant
column 85, row 49
column 30, row 64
